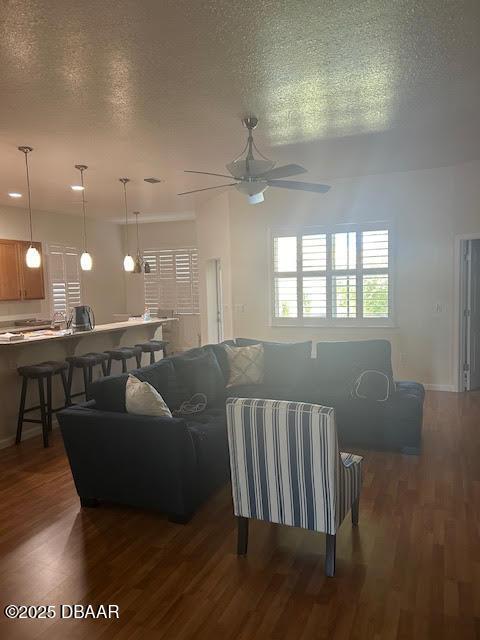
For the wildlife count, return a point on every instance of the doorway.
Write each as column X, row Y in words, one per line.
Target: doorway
column 214, row 300
column 469, row 367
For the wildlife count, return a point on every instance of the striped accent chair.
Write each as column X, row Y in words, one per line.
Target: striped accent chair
column 286, row 468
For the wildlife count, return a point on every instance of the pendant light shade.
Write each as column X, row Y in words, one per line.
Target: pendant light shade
column 128, row 263
column 86, row 262
column 33, row 258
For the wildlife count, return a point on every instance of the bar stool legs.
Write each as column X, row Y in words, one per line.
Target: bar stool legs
column 21, row 410
column 43, row 374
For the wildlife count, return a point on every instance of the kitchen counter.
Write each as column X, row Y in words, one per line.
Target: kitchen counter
column 43, row 345
column 44, row 335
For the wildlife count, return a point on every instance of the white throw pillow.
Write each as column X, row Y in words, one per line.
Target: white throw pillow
column 144, row 400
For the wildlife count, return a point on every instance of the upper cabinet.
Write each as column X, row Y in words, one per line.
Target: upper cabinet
column 17, row 281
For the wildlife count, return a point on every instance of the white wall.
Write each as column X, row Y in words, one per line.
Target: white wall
column 103, row 287
column 214, row 237
column 426, row 209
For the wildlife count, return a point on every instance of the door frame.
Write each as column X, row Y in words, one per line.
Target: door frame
column 459, row 299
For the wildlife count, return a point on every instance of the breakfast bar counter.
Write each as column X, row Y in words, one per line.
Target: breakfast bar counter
column 48, row 344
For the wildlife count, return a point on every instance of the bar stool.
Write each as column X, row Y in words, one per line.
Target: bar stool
column 42, row 372
column 123, row 354
column 152, row 346
column 86, row 363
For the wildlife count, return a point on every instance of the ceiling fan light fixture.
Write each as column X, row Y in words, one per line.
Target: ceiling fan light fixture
column 256, row 198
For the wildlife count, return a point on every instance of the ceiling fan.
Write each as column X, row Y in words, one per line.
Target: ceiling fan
column 253, row 175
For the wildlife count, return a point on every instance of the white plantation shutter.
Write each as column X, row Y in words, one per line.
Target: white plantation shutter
column 338, row 274
column 173, row 280
column 64, row 278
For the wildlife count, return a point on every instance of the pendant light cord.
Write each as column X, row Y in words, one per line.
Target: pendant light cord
column 26, row 151
column 84, row 214
column 124, row 182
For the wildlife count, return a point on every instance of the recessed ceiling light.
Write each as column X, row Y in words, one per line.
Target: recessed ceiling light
column 77, row 187
column 14, row 194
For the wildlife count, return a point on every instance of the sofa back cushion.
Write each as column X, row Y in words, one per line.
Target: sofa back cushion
column 109, row 392
column 285, row 362
column 340, row 363
column 199, row 372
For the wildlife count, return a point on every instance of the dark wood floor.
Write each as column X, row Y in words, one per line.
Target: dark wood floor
column 411, row 569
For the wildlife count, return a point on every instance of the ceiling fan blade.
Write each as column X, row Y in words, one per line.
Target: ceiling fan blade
column 207, row 173
column 283, row 172
column 219, row 186
column 300, row 186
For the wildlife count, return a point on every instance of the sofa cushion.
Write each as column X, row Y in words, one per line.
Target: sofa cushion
column 246, row 365
column 342, row 362
column 201, row 373
column 109, row 392
column 284, row 361
column 221, row 355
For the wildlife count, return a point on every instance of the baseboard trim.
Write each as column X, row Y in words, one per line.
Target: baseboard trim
column 440, row 387
column 31, row 432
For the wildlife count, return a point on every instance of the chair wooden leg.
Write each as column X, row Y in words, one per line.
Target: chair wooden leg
column 85, row 381
column 49, row 402
column 69, row 384
column 355, row 509
column 21, row 410
column 330, row 552
column 242, row 535
column 66, row 389
column 43, row 413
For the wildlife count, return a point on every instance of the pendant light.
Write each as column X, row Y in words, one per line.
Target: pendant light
column 86, row 261
column 32, row 257
column 128, row 263
column 140, row 263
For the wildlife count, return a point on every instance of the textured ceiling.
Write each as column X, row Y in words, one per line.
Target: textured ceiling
column 146, row 88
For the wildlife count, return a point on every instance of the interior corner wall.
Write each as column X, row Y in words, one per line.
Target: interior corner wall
column 426, row 209
column 213, row 236
column 103, row 287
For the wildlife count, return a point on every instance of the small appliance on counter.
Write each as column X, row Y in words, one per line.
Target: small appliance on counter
column 81, row 318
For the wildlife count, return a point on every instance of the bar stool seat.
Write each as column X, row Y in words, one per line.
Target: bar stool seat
column 44, row 368
column 86, row 362
column 44, row 371
column 122, row 354
column 152, row 346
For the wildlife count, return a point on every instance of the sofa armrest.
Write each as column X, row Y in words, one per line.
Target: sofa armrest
column 136, row 460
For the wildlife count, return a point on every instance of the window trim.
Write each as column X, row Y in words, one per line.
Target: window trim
column 298, row 231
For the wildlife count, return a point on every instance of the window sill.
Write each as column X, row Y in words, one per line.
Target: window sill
column 385, row 324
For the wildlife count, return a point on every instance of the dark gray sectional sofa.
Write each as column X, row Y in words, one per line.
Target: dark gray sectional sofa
column 174, row 464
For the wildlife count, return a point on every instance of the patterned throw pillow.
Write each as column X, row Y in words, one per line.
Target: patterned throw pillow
column 246, row 364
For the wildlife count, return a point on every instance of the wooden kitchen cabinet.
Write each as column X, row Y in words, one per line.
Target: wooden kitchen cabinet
column 33, row 287
column 17, row 281
column 10, row 283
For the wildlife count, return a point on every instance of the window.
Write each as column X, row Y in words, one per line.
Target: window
column 173, row 280
column 64, row 280
column 335, row 276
